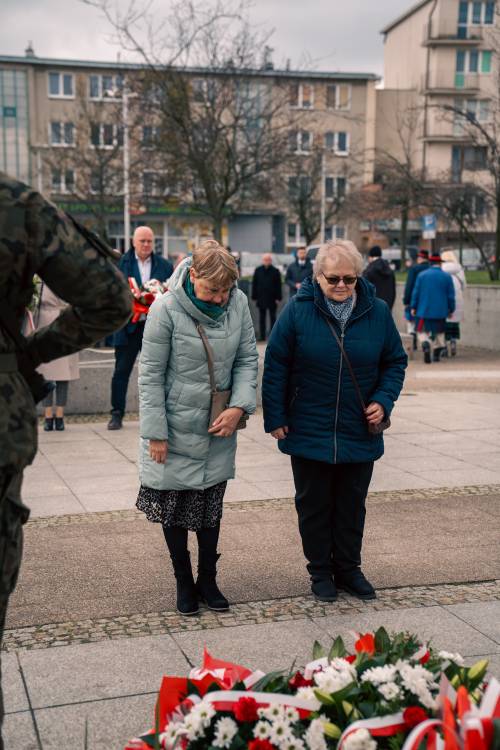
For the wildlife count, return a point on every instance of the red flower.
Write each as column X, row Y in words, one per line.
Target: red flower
column 350, row 659
column 298, row 681
column 260, row 745
column 425, row 658
column 246, row 710
column 366, row 644
column 414, row 715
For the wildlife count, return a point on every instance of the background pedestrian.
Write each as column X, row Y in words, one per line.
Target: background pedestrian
column 142, row 264
column 452, row 266
column 311, row 407
column 297, row 271
column 266, row 291
column 432, row 301
column 422, row 264
column 381, row 275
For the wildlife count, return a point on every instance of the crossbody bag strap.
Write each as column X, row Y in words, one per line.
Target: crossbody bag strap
column 349, row 366
column 210, row 355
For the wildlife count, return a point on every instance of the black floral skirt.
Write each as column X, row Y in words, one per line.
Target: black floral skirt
column 190, row 509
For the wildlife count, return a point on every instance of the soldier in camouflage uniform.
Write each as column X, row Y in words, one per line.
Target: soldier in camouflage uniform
column 37, row 238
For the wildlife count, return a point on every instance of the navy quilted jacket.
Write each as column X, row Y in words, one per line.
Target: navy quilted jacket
column 307, row 387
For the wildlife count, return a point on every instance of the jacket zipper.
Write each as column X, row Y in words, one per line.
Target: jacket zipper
column 295, row 394
column 342, row 333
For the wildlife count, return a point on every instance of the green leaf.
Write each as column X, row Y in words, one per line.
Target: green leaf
column 318, row 651
column 495, row 742
column 265, row 681
column 338, row 649
column 382, row 640
column 151, row 740
column 324, row 698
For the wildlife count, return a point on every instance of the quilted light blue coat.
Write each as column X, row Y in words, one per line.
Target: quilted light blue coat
column 174, row 386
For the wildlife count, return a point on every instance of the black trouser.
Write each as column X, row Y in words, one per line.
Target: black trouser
column 125, row 357
column 12, row 517
column 330, row 502
column 262, row 319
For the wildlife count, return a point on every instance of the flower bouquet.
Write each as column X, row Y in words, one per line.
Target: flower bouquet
column 144, row 296
column 392, row 693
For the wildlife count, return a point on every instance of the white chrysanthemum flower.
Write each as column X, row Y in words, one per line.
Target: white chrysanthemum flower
column 419, row 681
column 205, row 711
column 379, row 675
column 261, row 713
column 341, row 665
column 275, row 711
column 455, row 658
column 389, row 690
column 293, row 743
column 360, row 739
column 280, row 731
column 169, row 737
column 307, row 693
column 315, row 736
column 225, row 729
column 291, row 714
column 193, row 726
column 261, row 730
column 331, row 680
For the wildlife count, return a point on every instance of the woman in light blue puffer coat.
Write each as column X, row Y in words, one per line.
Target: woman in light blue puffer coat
column 184, row 461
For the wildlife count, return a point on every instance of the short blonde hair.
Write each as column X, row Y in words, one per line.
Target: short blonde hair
column 213, row 262
column 338, row 250
column 449, row 257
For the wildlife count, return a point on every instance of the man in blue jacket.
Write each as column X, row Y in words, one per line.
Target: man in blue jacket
column 432, row 301
column 419, row 267
column 141, row 263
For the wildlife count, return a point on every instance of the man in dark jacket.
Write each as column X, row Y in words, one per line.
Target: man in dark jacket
column 432, row 301
column 142, row 264
column 297, row 271
column 421, row 265
column 266, row 291
column 381, row 276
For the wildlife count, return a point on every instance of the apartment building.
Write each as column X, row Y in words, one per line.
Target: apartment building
column 44, row 139
column 439, row 58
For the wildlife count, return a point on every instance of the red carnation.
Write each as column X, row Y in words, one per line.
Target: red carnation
column 298, row 681
column 260, row 745
column 425, row 658
column 246, row 710
column 414, row 715
column 365, row 643
column 350, row 659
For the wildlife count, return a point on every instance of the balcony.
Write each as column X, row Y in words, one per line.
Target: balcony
column 442, row 82
column 447, row 33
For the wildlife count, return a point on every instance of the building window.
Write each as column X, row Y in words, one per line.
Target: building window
column 299, row 186
column 106, row 135
column 338, row 96
column 105, row 86
column 302, row 95
column 62, row 134
column 300, row 141
column 154, row 184
column 61, row 85
column 295, row 234
column 335, row 187
column 471, row 61
column 334, row 232
column 337, row 142
column 149, row 136
column 467, row 158
column 63, row 181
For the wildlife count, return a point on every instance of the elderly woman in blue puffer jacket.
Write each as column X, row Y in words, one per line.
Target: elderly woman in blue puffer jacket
column 185, row 461
column 312, row 408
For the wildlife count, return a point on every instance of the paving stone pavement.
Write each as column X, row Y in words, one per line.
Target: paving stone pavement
column 89, row 681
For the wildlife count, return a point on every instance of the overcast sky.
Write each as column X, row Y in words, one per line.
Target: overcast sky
column 334, row 34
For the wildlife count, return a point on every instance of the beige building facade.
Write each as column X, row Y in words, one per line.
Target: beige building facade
column 58, row 116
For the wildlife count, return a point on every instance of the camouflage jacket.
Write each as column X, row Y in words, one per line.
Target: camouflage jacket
column 37, row 238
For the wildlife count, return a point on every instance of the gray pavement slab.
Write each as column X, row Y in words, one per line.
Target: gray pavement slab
column 15, row 698
column 485, row 618
column 95, row 671
column 267, row 646
column 436, row 624
column 19, row 732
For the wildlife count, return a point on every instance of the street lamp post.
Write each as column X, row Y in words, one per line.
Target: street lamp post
column 323, row 199
column 126, row 169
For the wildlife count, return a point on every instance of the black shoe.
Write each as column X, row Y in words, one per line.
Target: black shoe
column 187, row 599
column 324, row 590
column 115, row 423
column 436, row 354
column 206, row 584
column 59, row 424
column 48, row 424
column 426, row 348
column 356, row 584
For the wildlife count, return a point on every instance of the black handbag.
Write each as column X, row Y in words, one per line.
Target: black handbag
column 373, row 429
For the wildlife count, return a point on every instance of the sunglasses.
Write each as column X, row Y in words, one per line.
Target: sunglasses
column 335, row 280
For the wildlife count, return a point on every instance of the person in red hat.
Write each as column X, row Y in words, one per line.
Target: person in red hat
column 420, row 266
column 432, row 301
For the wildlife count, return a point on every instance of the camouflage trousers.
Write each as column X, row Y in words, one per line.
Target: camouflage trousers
column 12, row 516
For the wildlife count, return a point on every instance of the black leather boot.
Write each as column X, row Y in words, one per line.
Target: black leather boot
column 324, row 589
column 115, row 423
column 356, row 584
column 187, row 599
column 426, row 348
column 206, row 584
